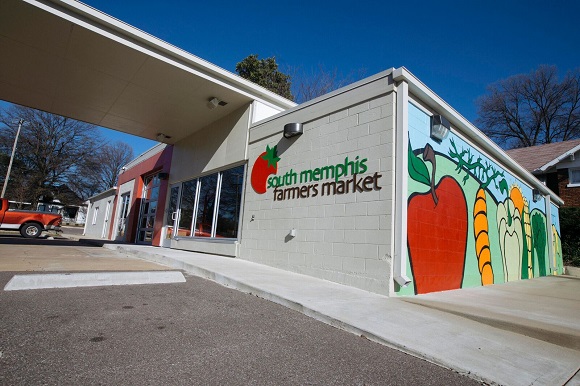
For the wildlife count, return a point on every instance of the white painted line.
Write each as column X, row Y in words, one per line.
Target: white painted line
column 92, row 279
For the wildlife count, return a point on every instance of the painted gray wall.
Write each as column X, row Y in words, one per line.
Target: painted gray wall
column 342, row 238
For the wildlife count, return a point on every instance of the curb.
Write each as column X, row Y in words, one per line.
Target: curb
column 572, row 271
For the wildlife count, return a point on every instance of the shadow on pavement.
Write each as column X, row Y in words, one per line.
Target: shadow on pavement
column 58, row 241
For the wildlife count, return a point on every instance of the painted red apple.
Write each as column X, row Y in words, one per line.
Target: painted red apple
column 266, row 164
column 437, row 233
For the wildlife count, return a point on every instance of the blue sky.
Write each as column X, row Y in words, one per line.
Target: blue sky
column 456, row 48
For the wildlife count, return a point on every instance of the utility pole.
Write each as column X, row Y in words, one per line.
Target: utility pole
column 20, row 122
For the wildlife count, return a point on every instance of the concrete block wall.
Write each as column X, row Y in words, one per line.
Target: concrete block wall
column 344, row 238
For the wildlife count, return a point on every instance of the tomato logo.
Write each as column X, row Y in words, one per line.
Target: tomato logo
column 266, row 164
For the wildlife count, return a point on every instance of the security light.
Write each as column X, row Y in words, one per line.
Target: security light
column 439, row 127
column 214, row 102
column 162, row 137
column 536, row 195
column 292, row 130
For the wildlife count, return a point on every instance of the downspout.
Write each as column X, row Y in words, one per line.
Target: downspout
column 401, row 162
column 549, row 232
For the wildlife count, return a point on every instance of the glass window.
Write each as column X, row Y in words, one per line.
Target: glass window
column 574, row 176
column 152, row 207
column 198, row 204
column 187, row 205
column 230, row 202
column 174, row 195
column 95, row 215
column 125, row 206
column 206, row 204
column 154, row 195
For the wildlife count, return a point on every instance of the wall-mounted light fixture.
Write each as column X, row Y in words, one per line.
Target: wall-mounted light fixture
column 536, row 195
column 440, row 127
column 162, row 137
column 214, row 102
column 292, row 130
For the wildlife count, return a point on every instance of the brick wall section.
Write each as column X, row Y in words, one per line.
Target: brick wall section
column 570, row 195
column 342, row 238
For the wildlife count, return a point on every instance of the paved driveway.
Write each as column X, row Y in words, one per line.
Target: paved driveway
column 192, row 333
column 63, row 255
column 195, row 333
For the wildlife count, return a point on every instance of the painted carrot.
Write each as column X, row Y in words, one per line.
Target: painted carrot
column 480, row 229
column 521, row 204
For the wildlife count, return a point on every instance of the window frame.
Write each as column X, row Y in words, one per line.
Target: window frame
column 216, row 208
column 573, row 184
column 95, row 215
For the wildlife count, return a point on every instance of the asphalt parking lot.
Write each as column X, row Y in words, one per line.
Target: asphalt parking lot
column 197, row 332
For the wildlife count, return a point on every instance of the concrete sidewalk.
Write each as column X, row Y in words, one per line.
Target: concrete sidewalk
column 519, row 333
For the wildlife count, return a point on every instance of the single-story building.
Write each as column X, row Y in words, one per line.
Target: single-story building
column 380, row 185
column 99, row 215
column 131, row 213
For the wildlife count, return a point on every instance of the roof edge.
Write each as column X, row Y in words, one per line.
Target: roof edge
column 558, row 159
column 102, row 194
column 373, row 78
column 473, row 133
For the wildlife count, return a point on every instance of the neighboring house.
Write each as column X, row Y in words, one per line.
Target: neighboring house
column 62, row 200
column 557, row 165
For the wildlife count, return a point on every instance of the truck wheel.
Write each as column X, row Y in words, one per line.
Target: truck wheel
column 31, row 230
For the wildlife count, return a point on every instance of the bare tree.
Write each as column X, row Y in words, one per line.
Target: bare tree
column 102, row 169
column 51, row 149
column 55, row 151
column 113, row 158
column 532, row 109
column 314, row 83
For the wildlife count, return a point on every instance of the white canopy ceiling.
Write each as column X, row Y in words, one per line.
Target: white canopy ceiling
column 70, row 59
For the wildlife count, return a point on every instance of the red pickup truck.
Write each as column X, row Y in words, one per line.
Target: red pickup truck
column 29, row 223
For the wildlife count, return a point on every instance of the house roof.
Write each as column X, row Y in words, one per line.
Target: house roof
column 541, row 158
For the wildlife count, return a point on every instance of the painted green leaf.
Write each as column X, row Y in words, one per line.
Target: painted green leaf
column 417, row 169
column 503, row 186
column 539, row 242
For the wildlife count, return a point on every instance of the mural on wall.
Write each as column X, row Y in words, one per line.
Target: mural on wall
column 469, row 221
column 437, row 230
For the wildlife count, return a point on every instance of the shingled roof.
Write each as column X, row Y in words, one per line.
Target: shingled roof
column 542, row 157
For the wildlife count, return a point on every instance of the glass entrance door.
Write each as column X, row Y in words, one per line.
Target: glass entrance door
column 122, row 219
column 172, row 215
column 148, row 209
